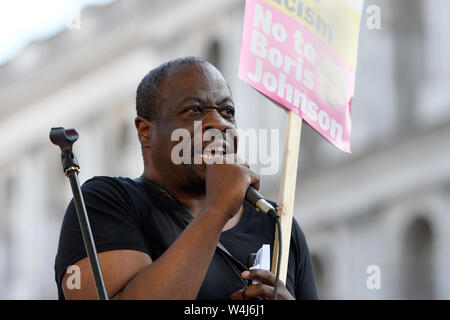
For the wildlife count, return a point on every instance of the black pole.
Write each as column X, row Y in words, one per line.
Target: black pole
column 87, row 234
column 65, row 139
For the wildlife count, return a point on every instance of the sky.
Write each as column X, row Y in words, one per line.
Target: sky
column 22, row 21
column 356, row 4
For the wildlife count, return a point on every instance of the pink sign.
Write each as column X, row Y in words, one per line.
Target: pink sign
column 300, row 66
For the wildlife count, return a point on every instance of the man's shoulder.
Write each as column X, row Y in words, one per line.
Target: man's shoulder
column 108, row 183
column 118, row 189
column 296, row 231
column 111, row 189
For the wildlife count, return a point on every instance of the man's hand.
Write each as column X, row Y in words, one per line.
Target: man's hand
column 226, row 184
column 262, row 290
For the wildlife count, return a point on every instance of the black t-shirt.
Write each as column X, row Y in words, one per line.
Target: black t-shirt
column 139, row 215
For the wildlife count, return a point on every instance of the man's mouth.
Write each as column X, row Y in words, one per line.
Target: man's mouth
column 211, row 152
column 214, row 149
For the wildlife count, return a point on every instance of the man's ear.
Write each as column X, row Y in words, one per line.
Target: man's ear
column 144, row 131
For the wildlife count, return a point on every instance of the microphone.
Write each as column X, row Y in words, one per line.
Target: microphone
column 257, row 200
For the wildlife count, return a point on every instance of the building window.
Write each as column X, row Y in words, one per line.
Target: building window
column 417, row 266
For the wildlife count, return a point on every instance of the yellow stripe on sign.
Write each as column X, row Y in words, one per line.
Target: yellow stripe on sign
column 333, row 21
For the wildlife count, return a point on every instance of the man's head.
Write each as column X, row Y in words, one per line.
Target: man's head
column 173, row 96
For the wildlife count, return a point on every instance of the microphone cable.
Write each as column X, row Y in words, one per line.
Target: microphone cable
column 276, row 217
column 257, row 200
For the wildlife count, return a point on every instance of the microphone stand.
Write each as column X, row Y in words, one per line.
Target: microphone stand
column 64, row 138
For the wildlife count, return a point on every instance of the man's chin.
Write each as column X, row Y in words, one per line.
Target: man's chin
column 197, row 177
column 199, row 165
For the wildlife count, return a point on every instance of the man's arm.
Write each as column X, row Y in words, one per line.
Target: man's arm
column 179, row 272
column 118, row 267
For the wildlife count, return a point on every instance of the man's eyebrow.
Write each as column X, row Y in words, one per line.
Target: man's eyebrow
column 200, row 100
column 191, row 98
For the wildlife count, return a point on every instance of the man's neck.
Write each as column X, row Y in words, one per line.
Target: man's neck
column 192, row 201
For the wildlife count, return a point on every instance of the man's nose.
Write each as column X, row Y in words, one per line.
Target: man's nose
column 214, row 120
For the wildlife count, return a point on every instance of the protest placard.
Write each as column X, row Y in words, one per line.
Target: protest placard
column 302, row 54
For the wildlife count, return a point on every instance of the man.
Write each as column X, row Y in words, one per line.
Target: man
column 157, row 235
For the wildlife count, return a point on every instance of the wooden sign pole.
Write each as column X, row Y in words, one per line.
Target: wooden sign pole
column 287, row 190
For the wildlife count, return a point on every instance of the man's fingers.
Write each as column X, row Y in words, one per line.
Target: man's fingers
column 237, row 295
column 266, row 288
column 264, row 276
column 258, row 290
column 233, row 158
column 229, row 158
column 253, row 291
column 254, row 179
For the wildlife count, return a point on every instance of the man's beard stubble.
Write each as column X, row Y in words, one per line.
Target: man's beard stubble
column 196, row 181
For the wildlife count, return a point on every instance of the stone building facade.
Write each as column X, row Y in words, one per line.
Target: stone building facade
column 385, row 205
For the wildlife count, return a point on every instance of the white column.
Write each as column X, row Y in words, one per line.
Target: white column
column 437, row 35
column 434, row 96
column 4, row 215
column 22, row 227
column 441, row 254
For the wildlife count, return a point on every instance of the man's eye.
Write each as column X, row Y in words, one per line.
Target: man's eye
column 229, row 111
column 194, row 109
